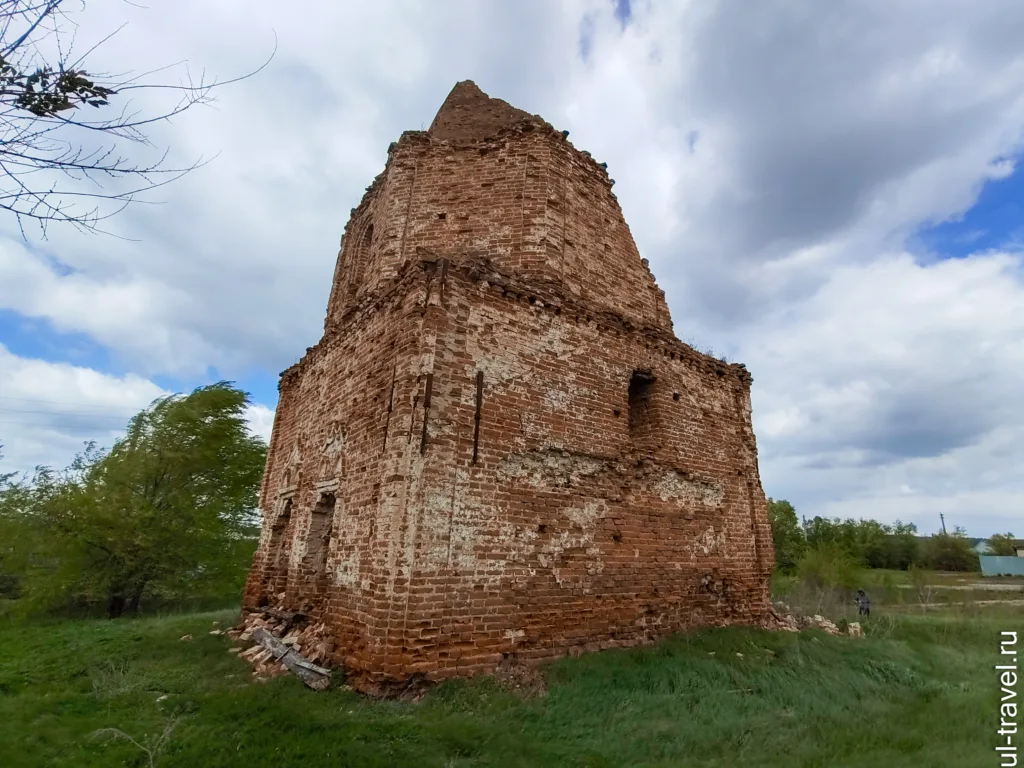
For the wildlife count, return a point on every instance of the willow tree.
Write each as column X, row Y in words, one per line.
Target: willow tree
column 168, row 510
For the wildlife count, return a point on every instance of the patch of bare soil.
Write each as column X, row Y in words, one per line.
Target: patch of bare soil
column 520, row 678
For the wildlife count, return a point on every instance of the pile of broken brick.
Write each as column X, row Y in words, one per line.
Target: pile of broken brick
column 781, row 617
column 280, row 642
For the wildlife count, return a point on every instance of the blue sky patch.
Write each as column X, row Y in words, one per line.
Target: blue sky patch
column 623, row 11
column 36, row 338
column 995, row 221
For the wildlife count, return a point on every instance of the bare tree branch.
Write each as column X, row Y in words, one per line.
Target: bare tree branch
column 48, row 161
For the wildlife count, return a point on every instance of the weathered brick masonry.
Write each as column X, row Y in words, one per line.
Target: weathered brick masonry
column 499, row 446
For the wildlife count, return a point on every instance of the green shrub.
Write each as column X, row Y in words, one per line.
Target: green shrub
column 830, row 567
column 951, row 552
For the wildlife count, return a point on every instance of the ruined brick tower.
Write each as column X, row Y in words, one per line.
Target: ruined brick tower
column 499, row 447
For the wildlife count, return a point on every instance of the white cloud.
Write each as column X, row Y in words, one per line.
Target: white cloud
column 261, row 420
column 771, row 161
column 48, row 411
column 898, row 375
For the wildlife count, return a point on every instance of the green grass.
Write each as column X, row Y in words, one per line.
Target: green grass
column 919, row 691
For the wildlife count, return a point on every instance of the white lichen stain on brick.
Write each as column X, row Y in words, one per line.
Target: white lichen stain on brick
column 578, row 536
column 515, row 635
column 558, row 399
column 675, row 486
column 584, row 517
column 492, row 234
column 709, row 542
column 346, row 568
column 555, row 341
column 391, row 528
column 438, row 516
column 564, row 394
column 559, row 469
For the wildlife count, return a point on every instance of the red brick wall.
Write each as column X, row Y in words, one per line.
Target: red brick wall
column 505, row 256
column 526, row 199
column 332, row 415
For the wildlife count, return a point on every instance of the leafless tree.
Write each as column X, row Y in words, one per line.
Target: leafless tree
column 152, row 746
column 64, row 129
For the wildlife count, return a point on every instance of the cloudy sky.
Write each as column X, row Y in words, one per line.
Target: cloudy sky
column 828, row 192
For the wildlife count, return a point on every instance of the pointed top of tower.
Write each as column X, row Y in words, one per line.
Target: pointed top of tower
column 468, row 113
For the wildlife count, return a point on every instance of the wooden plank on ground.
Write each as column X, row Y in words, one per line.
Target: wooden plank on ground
column 315, row 677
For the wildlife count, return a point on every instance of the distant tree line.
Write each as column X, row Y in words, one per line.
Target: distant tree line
column 868, row 543
column 167, row 513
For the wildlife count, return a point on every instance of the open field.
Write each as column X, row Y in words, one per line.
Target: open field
column 917, row 691
column 951, row 579
column 893, row 591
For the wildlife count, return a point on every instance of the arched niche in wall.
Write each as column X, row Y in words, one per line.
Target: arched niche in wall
column 359, row 259
column 338, row 284
column 321, row 522
column 278, row 536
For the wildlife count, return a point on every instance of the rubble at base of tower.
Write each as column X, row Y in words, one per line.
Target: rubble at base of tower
column 310, row 640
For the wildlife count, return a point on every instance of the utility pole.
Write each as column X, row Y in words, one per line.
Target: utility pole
column 942, row 517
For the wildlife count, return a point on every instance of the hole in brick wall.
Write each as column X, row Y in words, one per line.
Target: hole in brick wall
column 617, row 412
column 675, row 395
column 542, row 528
column 532, row 299
column 617, row 538
column 641, row 386
column 442, row 215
